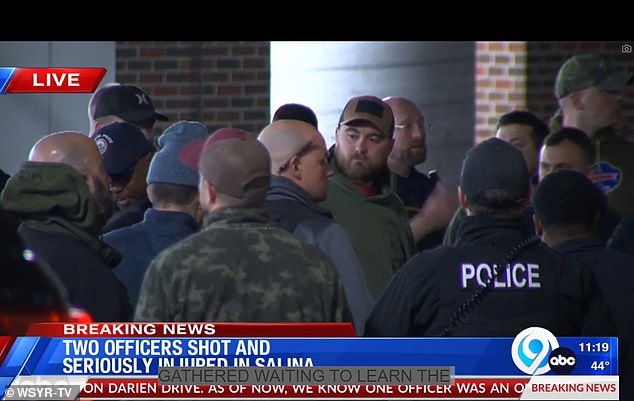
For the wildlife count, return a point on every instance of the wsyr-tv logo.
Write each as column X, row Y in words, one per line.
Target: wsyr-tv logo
column 536, row 351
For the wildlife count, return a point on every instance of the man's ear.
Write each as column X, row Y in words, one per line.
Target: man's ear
column 207, row 192
column 576, row 99
column 211, row 192
column 296, row 168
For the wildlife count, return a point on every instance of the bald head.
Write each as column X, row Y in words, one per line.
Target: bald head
column 283, row 138
column 398, row 102
column 298, row 153
column 69, row 147
column 81, row 153
column 410, row 142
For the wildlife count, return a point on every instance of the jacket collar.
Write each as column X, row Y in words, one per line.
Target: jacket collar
column 282, row 188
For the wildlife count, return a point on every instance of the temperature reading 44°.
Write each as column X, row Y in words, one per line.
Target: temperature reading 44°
column 599, row 365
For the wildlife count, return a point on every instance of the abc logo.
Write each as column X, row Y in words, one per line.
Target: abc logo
column 562, row 361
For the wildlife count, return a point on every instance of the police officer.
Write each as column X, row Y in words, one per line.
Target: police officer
column 567, row 205
column 493, row 282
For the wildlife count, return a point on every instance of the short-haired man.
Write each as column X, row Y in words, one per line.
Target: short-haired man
column 493, row 282
column 590, row 93
column 300, row 180
column 359, row 193
column 567, row 206
column 568, row 148
column 126, row 158
column 571, row 149
column 526, row 132
column 172, row 187
column 239, row 267
column 117, row 102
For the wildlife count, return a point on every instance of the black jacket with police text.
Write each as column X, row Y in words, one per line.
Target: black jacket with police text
column 538, row 288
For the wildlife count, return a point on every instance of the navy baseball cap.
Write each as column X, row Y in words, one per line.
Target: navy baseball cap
column 121, row 144
column 494, row 164
column 127, row 102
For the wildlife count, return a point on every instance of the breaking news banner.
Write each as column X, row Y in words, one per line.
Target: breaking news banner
column 245, row 361
column 49, row 80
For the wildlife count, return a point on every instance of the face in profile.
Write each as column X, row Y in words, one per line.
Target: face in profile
column 104, row 200
column 314, row 170
column 519, row 135
column 410, row 134
column 129, row 187
column 565, row 155
column 602, row 108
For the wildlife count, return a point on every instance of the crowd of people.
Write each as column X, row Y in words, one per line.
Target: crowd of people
column 274, row 226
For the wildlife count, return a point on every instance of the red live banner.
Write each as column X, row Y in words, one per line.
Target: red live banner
column 55, row 80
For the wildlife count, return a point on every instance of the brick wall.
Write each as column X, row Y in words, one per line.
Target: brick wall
column 500, row 84
column 227, row 83
column 218, row 83
column 521, row 76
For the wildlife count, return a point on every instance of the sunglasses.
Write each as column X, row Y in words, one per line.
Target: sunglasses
column 123, row 177
column 301, row 152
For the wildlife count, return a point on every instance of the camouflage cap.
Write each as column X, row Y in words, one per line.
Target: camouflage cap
column 589, row 70
column 370, row 109
column 233, row 160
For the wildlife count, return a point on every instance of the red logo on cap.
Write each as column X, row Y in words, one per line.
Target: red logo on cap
column 226, row 133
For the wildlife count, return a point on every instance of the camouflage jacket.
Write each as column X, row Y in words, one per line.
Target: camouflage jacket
column 239, row 268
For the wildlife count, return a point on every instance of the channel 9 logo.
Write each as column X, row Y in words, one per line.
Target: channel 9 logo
column 536, row 351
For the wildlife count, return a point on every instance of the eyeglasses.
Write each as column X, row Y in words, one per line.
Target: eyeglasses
column 301, row 152
column 424, row 127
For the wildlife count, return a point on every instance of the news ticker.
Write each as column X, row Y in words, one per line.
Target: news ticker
column 235, row 361
column 49, row 80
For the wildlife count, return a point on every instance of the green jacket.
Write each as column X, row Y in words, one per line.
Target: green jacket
column 377, row 225
column 240, row 268
column 613, row 170
column 54, row 198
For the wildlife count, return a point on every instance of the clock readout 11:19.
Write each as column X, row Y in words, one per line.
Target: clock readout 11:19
column 594, row 347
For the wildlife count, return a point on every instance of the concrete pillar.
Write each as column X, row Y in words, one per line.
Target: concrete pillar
column 437, row 76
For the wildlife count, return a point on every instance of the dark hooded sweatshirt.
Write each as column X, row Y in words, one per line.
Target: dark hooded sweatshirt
column 60, row 222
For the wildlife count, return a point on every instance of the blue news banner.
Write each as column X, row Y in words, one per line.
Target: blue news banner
column 528, row 355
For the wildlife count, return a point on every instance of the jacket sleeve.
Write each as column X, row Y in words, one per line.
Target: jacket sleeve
column 391, row 315
column 335, row 243
column 106, row 295
column 596, row 318
column 152, row 304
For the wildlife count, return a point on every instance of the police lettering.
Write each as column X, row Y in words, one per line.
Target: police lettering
column 518, row 275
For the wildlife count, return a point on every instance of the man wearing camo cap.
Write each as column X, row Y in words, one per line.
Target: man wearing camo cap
column 590, row 93
column 239, row 268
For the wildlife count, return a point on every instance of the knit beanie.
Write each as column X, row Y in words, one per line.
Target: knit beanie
column 165, row 166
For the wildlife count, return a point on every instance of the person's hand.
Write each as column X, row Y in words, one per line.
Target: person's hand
column 435, row 214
